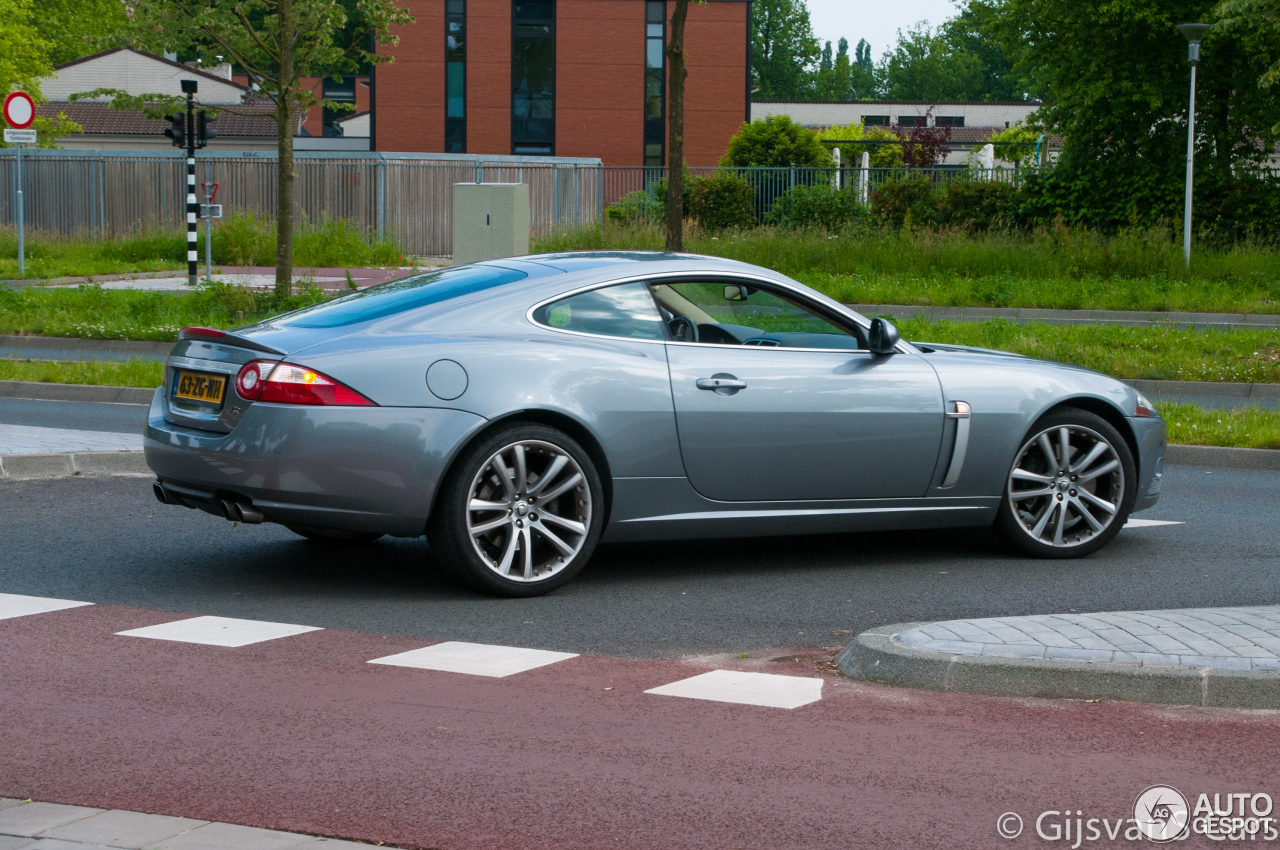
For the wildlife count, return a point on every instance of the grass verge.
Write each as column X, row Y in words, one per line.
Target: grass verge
column 108, row 373
column 241, row 240
column 1241, row 427
column 1159, row 354
column 1056, row 268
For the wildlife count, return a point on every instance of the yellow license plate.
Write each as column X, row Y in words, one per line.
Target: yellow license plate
column 198, row 386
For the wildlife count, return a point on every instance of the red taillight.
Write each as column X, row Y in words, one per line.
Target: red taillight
column 253, row 377
column 292, row 384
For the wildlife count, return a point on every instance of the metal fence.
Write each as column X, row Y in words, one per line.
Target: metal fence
column 634, row 188
column 408, row 197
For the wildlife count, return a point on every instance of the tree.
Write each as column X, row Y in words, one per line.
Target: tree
column 77, row 28
column 783, row 49
column 926, row 66
column 677, row 74
column 834, row 80
column 24, row 60
column 863, row 75
column 1114, row 76
column 1262, row 16
column 276, row 43
column 968, row 33
column 882, row 154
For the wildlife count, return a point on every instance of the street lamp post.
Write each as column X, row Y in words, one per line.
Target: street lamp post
column 1194, row 33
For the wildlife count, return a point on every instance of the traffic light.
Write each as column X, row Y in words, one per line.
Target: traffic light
column 177, row 131
column 204, row 129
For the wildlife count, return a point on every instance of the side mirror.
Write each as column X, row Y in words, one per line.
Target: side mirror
column 737, row 292
column 883, row 336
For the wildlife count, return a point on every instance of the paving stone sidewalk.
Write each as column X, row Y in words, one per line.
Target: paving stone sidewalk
column 26, row 825
column 1223, row 638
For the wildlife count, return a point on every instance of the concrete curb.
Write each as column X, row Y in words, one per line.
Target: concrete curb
column 66, row 464
column 1219, row 389
column 41, row 391
column 24, row 283
column 1222, row 457
column 1186, row 321
column 875, row 656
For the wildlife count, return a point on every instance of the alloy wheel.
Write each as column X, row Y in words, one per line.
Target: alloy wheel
column 1066, row 486
column 529, row 511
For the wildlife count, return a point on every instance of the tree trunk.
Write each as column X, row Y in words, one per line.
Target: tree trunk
column 675, row 128
column 286, row 109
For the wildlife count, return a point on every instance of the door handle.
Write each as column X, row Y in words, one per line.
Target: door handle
column 721, row 384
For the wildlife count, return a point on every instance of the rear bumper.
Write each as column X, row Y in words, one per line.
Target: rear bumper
column 356, row 468
column 1152, row 438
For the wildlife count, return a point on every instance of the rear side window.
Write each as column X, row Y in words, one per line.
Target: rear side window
column 625, row 310
column 378, row 302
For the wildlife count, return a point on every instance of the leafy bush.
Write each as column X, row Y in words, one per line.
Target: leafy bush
column 901, row 201
column 817, row 206
column 882, row 156
column 721, row 201
column 776, row 142
column 642, row 205
column 978, row 205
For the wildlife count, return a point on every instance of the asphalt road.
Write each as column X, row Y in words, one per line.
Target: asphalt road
column 109, row 541
column 73, row 415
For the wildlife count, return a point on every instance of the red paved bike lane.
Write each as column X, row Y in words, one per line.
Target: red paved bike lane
column 302, row 734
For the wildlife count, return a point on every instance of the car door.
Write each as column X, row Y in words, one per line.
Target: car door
column 778, row 400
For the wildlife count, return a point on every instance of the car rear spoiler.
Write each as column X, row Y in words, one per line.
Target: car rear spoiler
column 226, row 338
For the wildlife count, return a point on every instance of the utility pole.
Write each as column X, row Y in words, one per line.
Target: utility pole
column 1194, row 33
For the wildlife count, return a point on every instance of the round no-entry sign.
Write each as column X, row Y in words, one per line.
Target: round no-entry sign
column 19, row 110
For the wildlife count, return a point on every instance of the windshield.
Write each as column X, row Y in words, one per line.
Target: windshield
column 387, row 299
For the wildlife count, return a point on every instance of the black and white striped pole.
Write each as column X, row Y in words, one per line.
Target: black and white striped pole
column 193, row 203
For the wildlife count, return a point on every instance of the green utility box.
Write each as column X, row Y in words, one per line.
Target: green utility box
column 490, row 221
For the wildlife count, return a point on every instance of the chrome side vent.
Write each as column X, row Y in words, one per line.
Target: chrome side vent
column 960, row 412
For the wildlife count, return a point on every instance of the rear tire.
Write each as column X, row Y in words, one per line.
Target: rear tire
column 1068, row 502
column 520, row 512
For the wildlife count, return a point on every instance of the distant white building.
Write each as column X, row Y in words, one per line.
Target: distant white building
column 971, row 124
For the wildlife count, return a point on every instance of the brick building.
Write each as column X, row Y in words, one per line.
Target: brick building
column 561, row 78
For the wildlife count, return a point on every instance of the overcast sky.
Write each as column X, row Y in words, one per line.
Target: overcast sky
column 878, row 21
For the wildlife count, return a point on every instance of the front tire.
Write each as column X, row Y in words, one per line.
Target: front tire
column 520, row 512
column 1070, row 489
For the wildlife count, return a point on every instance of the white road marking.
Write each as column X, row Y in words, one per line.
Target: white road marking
column 767, row 689
column 14, row 605
column 219, row 631
column 475, row 659
column 1148, row 523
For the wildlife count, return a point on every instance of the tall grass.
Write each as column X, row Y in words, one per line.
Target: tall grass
column 240, row 240
column 1052, row 268
column 112, row 373
column 91, row 312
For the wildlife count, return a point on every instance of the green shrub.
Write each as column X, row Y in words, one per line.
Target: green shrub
column 642, row 205
column 777, row 142
column 978, row 205
column 720, row 202
column 817, row 206
column 908, row 200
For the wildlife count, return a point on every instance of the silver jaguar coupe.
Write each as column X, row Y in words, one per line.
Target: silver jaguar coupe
column 519, row 411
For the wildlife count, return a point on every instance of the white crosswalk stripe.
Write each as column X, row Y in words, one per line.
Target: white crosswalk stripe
column 475, row 659
column 771, row 690
column 219, row 631
column 15, row 605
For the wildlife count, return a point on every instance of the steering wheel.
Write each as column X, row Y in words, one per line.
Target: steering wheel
column 683, row 329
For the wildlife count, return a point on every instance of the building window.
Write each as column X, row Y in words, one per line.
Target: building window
column 655, row 81
column 950, row 121
column 336, row 92
column 533, row 77
column 875, row 121
column 913, row 121
column 455, row 74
